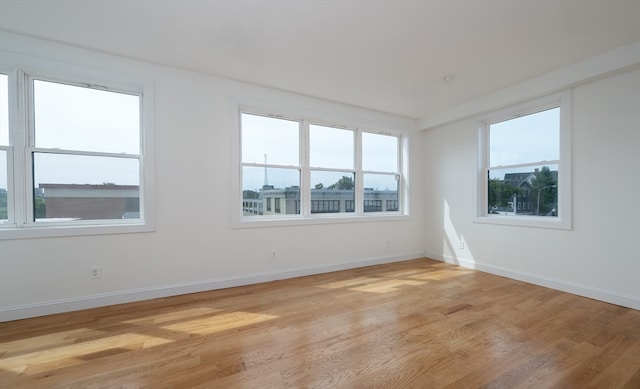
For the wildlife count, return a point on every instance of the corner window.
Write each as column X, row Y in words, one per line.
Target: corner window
column 380, row 172
column 314, row 171
column 524, row 165
column 72, row 161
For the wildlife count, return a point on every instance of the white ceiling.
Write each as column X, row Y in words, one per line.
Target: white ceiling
column 380, row 54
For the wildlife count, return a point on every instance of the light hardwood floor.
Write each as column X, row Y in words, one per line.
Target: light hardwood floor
column 414, row 324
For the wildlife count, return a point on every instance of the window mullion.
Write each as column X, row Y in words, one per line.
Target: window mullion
column 18, row 138
column 85, row 153
column 528, row 164
column 29, row 141
column 359, row 195
column 398, row 176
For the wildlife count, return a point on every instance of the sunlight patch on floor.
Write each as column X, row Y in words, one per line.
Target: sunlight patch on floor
column 217, row 323
column 55, row 357
column 349, row 282
column 177, row 315
column 386, row 286
column 442, row 274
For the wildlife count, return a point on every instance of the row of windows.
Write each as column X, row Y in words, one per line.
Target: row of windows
column 307, row 168
column 326, row 206
column 74, row 155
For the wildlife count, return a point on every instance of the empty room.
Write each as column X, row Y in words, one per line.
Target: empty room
column 319, row 194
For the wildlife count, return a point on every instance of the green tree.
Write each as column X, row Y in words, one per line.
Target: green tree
column 545, row 189
column 500, row 194
column 39, row 208
column 319, row 186
column 345, row 183
column 3, row 204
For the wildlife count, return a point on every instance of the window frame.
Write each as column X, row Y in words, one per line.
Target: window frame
column 306, row 117
column 21, row 71
column 563, row 220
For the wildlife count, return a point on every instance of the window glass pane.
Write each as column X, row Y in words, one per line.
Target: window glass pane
column 330, row 147
column 526, row 139
column 261, row 187
column 270, row 140
column 3, row 186
column 4, row 110
column 523, row 191
column 78, row 187
column 77, row 118
column 332, row 192
column 379, row 152
column 380, row 192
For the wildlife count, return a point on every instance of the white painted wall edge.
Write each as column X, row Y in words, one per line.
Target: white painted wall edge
column 564, row 286
column 620, row 59
column 127, row 296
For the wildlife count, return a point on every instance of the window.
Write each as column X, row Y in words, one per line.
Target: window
column 524, row 165
column 372, row 205
column 381, row 170
column 270, row 163
column 325, row 206
column 331, row 157
column 315, row 171
column 4, row 147
column 72, row 162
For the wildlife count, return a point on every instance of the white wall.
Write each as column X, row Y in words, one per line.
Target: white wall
column 193, row 247
column 599, row 257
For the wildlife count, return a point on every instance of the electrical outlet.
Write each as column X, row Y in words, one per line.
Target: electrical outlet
column 96, row 272
column 388, row 244
column 274, row 255
column 461, row 245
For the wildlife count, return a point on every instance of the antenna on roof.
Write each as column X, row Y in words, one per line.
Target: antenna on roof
column 266, row 180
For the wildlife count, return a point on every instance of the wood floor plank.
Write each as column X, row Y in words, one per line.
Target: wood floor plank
column 413, row 324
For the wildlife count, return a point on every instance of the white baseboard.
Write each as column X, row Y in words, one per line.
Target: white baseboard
column 127, row 296
column 564, row 286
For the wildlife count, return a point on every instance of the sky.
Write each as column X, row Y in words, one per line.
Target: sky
column 76, row 118
column 329, row 148
column 527, row 139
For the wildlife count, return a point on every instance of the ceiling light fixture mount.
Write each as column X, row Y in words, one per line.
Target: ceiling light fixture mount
column 448, row 78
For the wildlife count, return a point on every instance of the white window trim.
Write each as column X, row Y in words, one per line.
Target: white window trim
column 564, row 219
column 240, row 105
column 20, row 67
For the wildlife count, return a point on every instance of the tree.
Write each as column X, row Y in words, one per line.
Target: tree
column 545, row 187
column 345, row 183
column 500, row 194
column 3, row 204
column 319, row 186
column 39, row 208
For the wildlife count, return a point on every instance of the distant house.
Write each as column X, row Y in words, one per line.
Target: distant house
column 527, row 200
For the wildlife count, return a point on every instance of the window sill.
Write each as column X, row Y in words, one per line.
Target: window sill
column 555, row 223
column 53, row 231
column 267, row 221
